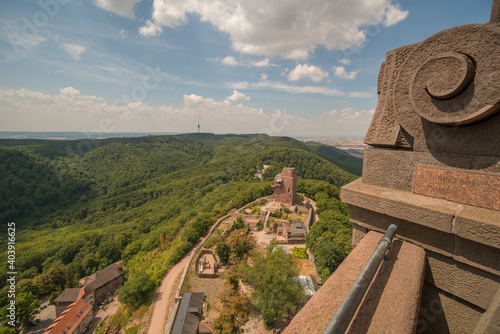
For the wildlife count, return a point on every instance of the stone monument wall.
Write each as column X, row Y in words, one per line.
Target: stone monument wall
column 434, row 170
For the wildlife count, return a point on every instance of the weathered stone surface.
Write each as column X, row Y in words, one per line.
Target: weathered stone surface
column 469, row 283
column 396, row 169
column 451, row 78
column 477, row 189
column 425, row 237
column 469, row 234
column 489, row 323
column 385, row 128
column 442, row 313
column 358, row 233
column 394, row 293
column 495, row 12
column 479, row 225
column 431, row 212
column 477, row 255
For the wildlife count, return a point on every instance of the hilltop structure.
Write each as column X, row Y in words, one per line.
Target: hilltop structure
column 74, row 305
column 285, row 187
column 434, row 171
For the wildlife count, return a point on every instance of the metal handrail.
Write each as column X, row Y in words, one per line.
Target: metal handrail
column 342, row 318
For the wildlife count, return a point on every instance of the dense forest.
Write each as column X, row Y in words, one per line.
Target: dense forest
column 81, row 205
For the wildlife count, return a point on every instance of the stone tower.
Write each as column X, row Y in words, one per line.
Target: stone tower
column 285, row 187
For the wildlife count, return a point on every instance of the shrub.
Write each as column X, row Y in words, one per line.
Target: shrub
column 299, row 253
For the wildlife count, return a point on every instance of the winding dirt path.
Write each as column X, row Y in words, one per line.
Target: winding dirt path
column 164, row 297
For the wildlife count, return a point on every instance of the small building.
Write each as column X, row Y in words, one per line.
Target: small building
column 308, row 284
column 187, row 319
column 297, row 232
column 285, row 187
column 75, row 319
column 103, row 283
column 66, row 298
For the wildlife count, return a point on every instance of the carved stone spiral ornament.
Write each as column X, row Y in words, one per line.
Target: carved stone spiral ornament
column 451, row 80
column 441, row 78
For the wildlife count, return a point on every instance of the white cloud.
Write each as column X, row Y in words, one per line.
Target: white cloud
column 70, row 110
column 296, row 89
column 359, row 94
column 123, row 33
column 123, row 8
column 262, row 63
column 150, row 29
column 350, row 115
column 263, row 76
column 229, row 60
column 345, row 61
column 288, row 88
column 394, row 15
column 73, row 49
column 290, row 29
column 237, row 96
column 305, row 71
column 340, row 72
column 330, row 113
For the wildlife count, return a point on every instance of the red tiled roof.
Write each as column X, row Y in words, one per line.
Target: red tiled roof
column 70, row 321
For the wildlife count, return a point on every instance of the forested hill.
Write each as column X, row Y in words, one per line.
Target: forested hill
column 80, row 205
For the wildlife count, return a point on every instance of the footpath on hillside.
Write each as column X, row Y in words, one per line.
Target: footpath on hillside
column 164, row 298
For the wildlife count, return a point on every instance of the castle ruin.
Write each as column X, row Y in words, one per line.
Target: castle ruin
column 285, row 187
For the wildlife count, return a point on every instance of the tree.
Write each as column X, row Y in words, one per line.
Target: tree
column 233, row 314
column 235, row 306
column 329, row 239
column 275, row 291
column 330, row 250
column 26, row 309
column 223, row 252
column 137, row 290
column 241, row 244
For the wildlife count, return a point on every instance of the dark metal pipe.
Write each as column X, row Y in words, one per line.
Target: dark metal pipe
column 342, row 318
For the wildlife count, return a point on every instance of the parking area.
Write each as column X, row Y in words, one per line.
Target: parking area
column 44, row 318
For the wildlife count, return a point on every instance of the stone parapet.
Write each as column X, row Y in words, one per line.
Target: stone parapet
column 468, row 234
column 393, row 294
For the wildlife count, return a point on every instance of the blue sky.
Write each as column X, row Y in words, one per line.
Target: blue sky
column 295, row 68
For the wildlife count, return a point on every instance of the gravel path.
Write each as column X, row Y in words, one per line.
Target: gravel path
column 164, row 297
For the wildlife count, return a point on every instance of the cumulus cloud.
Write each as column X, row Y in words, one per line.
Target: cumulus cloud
column 262, row 63
column 263, row 76
column 345, row 61
column 290, row 29
column 394, row 15
column 150, row 29
column 305, row 71
column 123, row 8
column 237, row 96
column 229, row 60
column 71, row 110
column 340, row 72
column 73, row 49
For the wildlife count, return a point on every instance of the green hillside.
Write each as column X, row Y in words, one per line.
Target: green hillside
column 80, row 205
